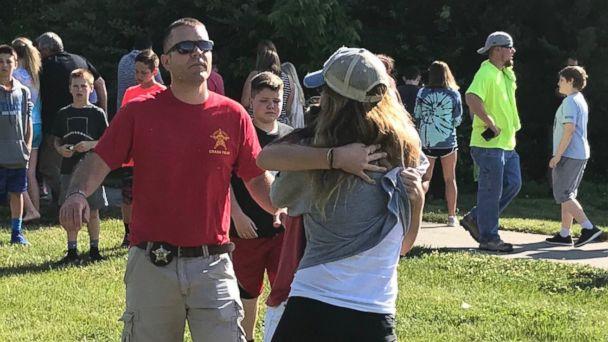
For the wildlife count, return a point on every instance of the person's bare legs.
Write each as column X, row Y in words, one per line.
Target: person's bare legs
column 448, row 166
column 93, row 225
column 567, row 218
column 16, row 204
column 574, row 208
column 32, row 196
column 250, row 306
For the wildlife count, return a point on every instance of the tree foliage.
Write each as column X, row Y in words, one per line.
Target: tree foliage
column 546, row 32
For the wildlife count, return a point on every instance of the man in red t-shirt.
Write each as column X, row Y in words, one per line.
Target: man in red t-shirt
column 186, row 142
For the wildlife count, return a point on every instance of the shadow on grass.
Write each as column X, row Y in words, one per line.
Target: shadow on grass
column 109, row 253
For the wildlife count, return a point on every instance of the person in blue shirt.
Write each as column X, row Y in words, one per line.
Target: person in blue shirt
column 438, row 112
column 570, row 154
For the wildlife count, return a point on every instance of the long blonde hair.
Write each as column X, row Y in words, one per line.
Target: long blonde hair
column 343, row 121
column 29, row 58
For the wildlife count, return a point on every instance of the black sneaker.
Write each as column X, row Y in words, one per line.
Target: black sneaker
column 95, row 256
column 470, row 225
column 125, row 241
column 70, row 258
column 588, row 235
column 496, row 246
column 557, row 239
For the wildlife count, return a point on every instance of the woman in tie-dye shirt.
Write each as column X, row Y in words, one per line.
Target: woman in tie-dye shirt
column 438, row 112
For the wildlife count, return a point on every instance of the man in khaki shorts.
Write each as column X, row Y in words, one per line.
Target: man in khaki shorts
column 186, row 142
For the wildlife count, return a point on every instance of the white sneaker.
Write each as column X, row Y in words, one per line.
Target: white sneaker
column 452, row 221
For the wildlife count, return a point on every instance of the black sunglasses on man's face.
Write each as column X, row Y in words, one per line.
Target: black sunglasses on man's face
column 188, row 46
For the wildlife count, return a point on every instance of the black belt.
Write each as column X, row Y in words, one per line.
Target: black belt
column 161, row 253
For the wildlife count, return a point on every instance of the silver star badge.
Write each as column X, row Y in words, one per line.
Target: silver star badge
column 161, row 254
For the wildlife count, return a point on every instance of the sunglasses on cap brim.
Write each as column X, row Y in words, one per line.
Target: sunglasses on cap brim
column 188, row 46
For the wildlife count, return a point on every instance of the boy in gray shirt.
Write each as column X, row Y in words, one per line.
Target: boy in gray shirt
column 15, row 139
column 570, row 155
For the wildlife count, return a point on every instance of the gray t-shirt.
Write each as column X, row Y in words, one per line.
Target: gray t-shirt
column 572, row 110
column 356, row 217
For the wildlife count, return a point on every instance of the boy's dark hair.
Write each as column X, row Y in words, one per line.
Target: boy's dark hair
column 411, row 72
column 142, row 41
column 82, row 73
column 265, row 80
column 149, row 58
column 576, row 74
column 8, row 50
column 179, row 22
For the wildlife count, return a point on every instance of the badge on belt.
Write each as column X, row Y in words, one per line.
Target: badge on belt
column 161, row 255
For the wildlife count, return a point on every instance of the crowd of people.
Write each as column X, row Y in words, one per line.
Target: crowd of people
column 322, row 197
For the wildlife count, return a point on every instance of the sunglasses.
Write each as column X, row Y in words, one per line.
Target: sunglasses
column 506, row 46
column 188, row 46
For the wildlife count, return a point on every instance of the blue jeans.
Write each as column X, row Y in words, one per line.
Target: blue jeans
column 498, row 183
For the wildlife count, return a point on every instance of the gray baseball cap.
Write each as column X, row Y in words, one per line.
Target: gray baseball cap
column 498, row 38
column 352, row 73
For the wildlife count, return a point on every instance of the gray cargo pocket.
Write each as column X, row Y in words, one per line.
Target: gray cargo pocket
column 128, row 318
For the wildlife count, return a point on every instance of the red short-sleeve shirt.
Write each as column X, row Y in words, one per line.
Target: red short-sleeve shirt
column 184, row 156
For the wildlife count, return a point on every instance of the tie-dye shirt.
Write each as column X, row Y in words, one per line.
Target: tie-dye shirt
column 438, row 112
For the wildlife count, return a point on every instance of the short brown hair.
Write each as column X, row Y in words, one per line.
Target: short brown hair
column 179, row 22
column 576, row 74
column 8, row 50
column 265, row 80
column 82, row 73
column 149, row 58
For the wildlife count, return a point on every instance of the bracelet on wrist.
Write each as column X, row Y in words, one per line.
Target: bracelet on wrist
column 77, row 192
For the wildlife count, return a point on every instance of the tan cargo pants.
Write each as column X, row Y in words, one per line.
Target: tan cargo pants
column 160, row 299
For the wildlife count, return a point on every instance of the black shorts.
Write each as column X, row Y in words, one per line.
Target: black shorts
column 127, row 184
column 307, row 320
column 438, row 152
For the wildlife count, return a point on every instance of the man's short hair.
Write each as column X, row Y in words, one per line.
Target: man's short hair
column 8, row 50
column 265, row 80
column 82, row 73
column 149, row 58
column 50, row 41
column 576, row 74
column 411, row 72
column 179, row 22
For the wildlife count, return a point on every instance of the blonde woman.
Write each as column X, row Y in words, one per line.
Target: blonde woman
column 438, row 112
column 345, row 287
column 28, row 73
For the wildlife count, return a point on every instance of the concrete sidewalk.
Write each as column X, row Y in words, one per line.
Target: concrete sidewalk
column 526, row 246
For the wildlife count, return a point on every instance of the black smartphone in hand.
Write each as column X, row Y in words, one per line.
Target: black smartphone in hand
column 488, row 134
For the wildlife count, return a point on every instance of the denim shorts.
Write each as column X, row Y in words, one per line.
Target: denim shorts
column 13, row 180
column 37, row 138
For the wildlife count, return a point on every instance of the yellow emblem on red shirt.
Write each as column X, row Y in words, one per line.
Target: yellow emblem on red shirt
column 220, row 138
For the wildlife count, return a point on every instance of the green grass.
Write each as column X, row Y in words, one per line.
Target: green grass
column 509, row 299
column 540, row 215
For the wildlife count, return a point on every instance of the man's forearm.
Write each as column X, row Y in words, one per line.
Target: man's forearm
column 292, row 157
column 259, row 189
column 476, row 106
column 89, row 174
